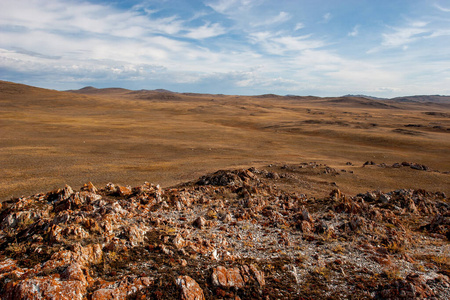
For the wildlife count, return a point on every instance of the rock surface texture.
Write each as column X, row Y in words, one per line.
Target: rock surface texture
column 229, row 235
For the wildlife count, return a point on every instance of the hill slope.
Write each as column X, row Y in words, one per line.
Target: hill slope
column 51, row 138
column 227, row 235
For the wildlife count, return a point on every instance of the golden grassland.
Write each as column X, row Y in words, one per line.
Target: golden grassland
column 50, row 138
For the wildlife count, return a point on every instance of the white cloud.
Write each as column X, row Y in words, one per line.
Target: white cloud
column 354, row 32
column 227, row 6
column 280, row 44
column 441, row 8
column 299, row 26
column 206, row 31
column 326, row 17
column 280, row 18
column 401, row 37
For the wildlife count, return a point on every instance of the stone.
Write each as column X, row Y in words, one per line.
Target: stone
column 227, row 218
column 123, row 191
column 179, row 242
column 200, row 222
column 306, row 227
column 189, row 288
column 89, row 187
column 121, row 289
column 259, row 275
column 49, row 287
column 224, row 277
column 384, row 198
column 306, row 216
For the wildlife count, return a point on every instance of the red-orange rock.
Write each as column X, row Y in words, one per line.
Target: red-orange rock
column 121, row 289
column 123, row 191
column 89, row 187
column 224, row 277
column 50, row 287
column 190, row 290
column 259, row 275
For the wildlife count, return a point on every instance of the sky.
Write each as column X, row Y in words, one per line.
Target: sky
column 383, row 48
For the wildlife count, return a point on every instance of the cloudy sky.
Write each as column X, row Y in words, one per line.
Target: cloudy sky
column 382, row 48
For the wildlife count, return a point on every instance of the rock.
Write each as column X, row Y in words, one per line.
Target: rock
column 179, row 242
column 236, row 277
column 49, row 287
column 227, row 218
column 413, row 287
column 221, row 178
column 384, row 198
column 369, row 196
column 368, row 163
column 306, row 216
column 356, row 222
column 123, row 191
column 224, row 277
column 411, row 206
column 76, row 272
column 305, row 227
column 121, row 289
column 66, row 192
column 200, row 222
column 336, row 194
column 189, row 288
column 89, row 187
column 259, row 275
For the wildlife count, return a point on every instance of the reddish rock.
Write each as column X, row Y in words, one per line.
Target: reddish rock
column 200, row 222
column 121, row 289
column 123, row 191
column 50, row 287
column 189, row 288
column 179, row 242
column 259, row 275
column 89, row 187
column 224, row 277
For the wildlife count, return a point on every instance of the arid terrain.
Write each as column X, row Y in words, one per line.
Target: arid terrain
column 222, row 197
column 51, row 138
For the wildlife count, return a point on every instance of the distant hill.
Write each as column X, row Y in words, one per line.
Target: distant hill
column 365, row 96
column 424, row 99
column 90, row 90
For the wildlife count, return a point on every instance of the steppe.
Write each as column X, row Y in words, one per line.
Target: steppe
column 222, row 197
column 52, row 138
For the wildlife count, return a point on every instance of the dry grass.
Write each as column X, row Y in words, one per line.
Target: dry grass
column 51, row 138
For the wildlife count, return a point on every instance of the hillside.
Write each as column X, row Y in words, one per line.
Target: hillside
column 51, row 138
column 227, row 235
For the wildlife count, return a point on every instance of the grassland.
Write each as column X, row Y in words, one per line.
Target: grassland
column 52, row 138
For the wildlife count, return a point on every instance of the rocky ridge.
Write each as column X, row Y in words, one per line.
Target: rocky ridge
column 228, row 235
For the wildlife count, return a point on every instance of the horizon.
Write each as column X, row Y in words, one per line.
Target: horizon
column 239, row 95
column 382, row 49
column 287, row 95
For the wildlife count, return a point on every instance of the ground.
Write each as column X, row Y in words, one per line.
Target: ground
column 316, row 198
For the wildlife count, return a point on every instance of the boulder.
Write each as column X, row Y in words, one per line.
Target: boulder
column 189, row 288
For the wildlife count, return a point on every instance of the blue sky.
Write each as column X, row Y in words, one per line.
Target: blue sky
column 383, row 48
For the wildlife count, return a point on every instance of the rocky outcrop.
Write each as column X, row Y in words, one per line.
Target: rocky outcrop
column 229, row 235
